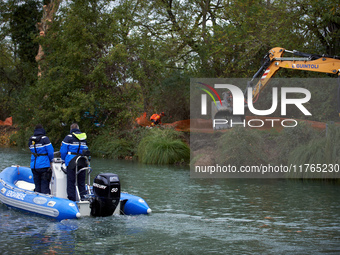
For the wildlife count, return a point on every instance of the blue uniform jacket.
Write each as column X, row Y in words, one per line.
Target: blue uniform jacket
column 41, row 148
column 70, row 144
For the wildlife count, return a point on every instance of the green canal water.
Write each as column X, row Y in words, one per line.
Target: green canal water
column 190, row 216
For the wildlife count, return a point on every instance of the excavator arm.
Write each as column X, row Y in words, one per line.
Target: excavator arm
column 274, row 60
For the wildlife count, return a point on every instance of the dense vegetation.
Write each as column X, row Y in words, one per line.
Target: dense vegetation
column 302, row 146
column 106, row 62
column 163, row 147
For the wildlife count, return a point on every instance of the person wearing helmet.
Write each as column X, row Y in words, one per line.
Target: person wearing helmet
column 156, row 118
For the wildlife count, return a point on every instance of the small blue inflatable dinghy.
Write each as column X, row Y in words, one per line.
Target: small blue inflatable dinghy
column 104, row 198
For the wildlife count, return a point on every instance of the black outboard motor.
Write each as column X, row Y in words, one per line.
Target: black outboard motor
column 106, row 189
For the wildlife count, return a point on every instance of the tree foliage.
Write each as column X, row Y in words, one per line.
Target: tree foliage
column 23, row 30
column 106, row 61
column 17, row 50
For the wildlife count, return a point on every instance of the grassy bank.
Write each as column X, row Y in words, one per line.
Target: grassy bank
column 161, row 145
column 164, row 146
column 300, row 146
column 6, row 134
column 245, row 146
column 239, row 146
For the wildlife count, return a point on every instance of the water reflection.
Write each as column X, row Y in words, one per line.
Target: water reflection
column 24, row 233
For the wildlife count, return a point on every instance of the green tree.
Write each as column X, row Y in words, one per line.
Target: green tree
column 106, row 62
column 17, row 49
column 84, row 75
column 319, row 22
column 23, row 30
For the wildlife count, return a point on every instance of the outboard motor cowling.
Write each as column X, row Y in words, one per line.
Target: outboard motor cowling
column 106, row 189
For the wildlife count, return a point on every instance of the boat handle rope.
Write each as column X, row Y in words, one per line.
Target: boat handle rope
column 22, row 190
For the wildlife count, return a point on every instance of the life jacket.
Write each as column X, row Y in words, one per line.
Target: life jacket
column 41, row 150
column 81, row 161
column 74, row 144
column 34, row 140
column 80, row 137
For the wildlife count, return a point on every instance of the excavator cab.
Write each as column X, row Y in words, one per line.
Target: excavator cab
column 224, row 112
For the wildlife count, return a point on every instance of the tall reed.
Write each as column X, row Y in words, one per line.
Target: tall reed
column 163, row 146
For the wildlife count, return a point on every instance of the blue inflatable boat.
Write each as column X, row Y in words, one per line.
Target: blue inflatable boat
column 104, row 198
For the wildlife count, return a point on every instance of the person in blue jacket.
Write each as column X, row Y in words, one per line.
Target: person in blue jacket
column 73, row 146
column 42, row 155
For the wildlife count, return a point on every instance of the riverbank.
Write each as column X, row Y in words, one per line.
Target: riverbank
column 301, row 145
column 5, row 135
column 303, row 152
column 158, row 145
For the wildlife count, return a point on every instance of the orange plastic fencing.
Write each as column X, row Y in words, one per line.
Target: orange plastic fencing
column 6, row 122
column 143, row 121
column 181, row 125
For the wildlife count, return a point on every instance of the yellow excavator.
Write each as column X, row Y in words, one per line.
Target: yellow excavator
column 273, row 62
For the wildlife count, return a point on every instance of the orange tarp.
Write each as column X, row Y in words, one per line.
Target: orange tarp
column 143, row 121
column 182, row 125
column 7, row 122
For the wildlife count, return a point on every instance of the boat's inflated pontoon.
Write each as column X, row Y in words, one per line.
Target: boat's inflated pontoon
column 103, row 198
